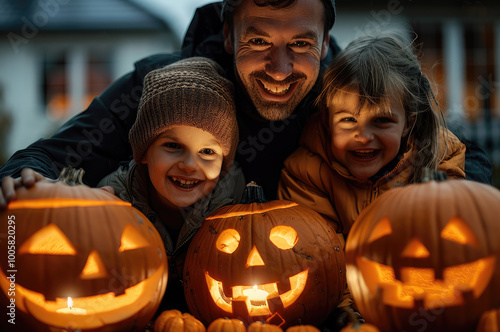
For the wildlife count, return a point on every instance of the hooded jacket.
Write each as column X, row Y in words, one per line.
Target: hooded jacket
column 313, row 177
column 131, row 183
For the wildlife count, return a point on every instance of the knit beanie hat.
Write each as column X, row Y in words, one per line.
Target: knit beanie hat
column 191, row 92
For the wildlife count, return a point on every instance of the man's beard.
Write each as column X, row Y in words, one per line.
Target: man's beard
column 274, row 110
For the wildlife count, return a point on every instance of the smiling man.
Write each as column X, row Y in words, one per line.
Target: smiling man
column 277, row 53
column 274, row 52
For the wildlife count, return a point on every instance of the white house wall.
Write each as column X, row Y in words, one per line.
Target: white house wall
column 20, row 77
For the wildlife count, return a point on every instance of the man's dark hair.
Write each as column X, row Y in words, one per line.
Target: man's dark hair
column 230, row 6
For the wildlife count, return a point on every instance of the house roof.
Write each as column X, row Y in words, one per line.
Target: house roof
column 77, row 15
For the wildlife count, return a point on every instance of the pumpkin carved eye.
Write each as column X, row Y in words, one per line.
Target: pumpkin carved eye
column 283, row 237
column 228, row 241
column 49, row 240
column 456, row 230
column 131, row 239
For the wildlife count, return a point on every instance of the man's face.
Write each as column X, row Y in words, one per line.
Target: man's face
column 277, row 53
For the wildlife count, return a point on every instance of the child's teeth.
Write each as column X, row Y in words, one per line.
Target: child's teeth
column 182, row 181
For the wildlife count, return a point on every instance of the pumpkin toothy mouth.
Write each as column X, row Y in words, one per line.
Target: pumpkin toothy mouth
column 101, row 309
column 257, row 305
column 459, row 283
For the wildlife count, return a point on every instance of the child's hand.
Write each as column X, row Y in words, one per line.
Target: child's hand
column 9, row 185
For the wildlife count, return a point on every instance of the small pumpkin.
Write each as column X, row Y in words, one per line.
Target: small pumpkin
column 275, row 261
column 263, row 327
column 84, row 259
column 226, row 325
column 426, row 256
column 176, row 321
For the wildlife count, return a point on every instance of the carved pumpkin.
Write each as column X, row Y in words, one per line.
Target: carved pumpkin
column 176, row 321
column 277, row 262
column 83, row 243
column 425, row 256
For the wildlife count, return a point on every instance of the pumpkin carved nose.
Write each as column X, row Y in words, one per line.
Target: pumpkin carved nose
column 94, row 268
column 254, row 258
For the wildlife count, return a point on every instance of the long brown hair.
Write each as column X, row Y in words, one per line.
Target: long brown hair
column 387, row 66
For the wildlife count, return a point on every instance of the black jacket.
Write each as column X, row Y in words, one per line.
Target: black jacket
column 97, row 139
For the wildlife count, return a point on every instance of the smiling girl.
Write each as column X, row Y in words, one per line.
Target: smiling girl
column 378, row 127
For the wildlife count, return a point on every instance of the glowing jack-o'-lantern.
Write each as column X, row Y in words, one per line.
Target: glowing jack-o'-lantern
column 75, row 244
column 426, row 256
column 276, row 261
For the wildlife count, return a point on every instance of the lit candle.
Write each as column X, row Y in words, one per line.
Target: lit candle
column 255, row 294
column 71, row 310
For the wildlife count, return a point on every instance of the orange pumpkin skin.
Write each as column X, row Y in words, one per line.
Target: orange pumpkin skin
column 263, row 327
column 226, row 325
column 254, row 260
column 422, row 232
column 105, row 247
column 176, row 321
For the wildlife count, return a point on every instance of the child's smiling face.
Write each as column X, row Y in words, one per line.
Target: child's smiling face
column 184, row 164
column 365, row 139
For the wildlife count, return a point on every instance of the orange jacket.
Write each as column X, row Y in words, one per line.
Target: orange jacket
column 311, row 176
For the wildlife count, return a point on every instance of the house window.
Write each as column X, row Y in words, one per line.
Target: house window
column 71, row 79
column 55, row 85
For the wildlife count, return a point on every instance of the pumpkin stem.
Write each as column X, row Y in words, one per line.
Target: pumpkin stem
column 71, row 176
column 432, row 175
column 253, row 194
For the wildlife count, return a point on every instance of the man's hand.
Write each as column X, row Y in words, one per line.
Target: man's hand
column 9, row 185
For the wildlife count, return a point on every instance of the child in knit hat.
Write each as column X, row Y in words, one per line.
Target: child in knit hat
column 183, row 141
